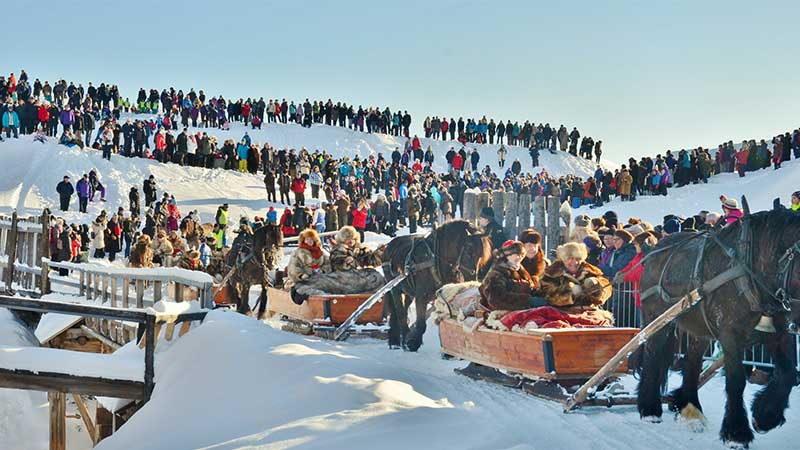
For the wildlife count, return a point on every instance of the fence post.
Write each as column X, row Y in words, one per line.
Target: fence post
column 498, row 205
column 482, row 202
column 553, row 223
column 470, row 202
column 524, row 212
column 11, row 251
column 43, row 251
column 58, row 420
column 539, row 223
column 510, row 204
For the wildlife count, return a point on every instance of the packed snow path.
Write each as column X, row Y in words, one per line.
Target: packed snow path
column 237, row 383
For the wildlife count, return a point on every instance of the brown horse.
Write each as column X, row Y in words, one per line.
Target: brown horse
column 251, row 257
column 759, row 253
column 452, row 253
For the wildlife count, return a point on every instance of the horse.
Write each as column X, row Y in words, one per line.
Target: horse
column 454, row 252
column 251, row 257
column 754, row 260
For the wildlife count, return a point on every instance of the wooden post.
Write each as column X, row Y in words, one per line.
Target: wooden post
column 498, row 205
column 44, row 279
column 482, row 202
column 179, row 292
column 510, row 202
column 553, row 223
column 44, row 252
column 86, row 419
column 105, row 288
column 58, row 420
column 104, row 423
column 207, row 296
column 139, row 293
column 523, row 212
column 11, row 251
column 149, row 356
column 539, row 222
column 96, row 284
column 114, row 282
column 126, row 291
column 89, row 293
column 470, row 202
column 82, row 278
column 157, row 291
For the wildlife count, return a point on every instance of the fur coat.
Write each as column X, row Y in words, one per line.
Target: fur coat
column 506, row 288
column 141, row 253
column 535, row 267
column 302, row 263
column 586, row 288
column 344, row 257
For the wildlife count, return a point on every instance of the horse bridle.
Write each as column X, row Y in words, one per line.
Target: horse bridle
column 786, row 265
column 434, row 261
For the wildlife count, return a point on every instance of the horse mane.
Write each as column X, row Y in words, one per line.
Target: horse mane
column 773, row 232
column 463, row 227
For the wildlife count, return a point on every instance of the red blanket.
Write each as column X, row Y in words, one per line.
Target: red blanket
column 549, row 317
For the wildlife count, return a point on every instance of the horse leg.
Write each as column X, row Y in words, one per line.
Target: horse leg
column 262, row 302
column 684, row 400
column 735, row 431
column 770, row 403
column 393, row 301
column 414, row 339
column 243, row 306
column 656, row 359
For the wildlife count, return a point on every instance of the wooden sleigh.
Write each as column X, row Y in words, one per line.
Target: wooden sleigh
column 547, row 363
column 320, row 315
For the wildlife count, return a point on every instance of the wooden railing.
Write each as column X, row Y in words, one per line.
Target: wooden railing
column 23, row 243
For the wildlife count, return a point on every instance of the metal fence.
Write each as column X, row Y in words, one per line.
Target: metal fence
column 623, row 305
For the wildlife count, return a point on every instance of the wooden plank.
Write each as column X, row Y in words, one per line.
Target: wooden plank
column 553, row 223
column 510, row 222
column 89, row 289
column 539, row 217
column 126, row 290
column 498, row 205
column 184, row 328
column 313, row 309
column 11, row 252
column 105, row 289
column 179, row 292
column 149, row 356
column 86, row 419
column 523, row 212
column 139, row 284
column 96, row 284
column 58, row 420
column 102, row 312
column 82, row 288
column 157, row 291
column 114, row 282
column 70, row 384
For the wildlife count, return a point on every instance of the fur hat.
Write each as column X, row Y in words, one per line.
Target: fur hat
column 161, row 234
column 346, row 233
column 648, row 238
column 605, row 231
column 572, row 250
column 530, row 236
column 672, row 226
column 487, row 213
column 635, row 230
column 193, row 254
column 510, row 247
column 312, row 233
column 625, row 235
column 582, row 221
column 145, row 239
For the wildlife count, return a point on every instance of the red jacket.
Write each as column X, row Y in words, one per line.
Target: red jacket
column 458, row 161
column 360, row 218
column 161, row 142
column 417, row 166
column 43, row 114
column 633, row 274
column 415, row 144
column 298, row 185
column 445, row 126
column 246, row 110
column 286, row 224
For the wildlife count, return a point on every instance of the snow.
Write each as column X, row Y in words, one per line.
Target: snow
column 42, row 359
column 167, row 273
column 53, row 324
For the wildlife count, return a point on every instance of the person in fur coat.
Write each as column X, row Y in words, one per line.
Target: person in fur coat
column 190, row 261
column 571, row 281
column 507, row 286
column 141, row 253
column 308, row 260
column 534, row 261
column 348, row 253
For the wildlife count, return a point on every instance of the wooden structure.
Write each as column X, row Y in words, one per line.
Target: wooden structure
column 321, row 314
column 23, row 243
column 564, row 354
column 58, row 381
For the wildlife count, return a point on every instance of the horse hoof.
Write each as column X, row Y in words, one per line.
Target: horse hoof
column 693, row 418
column 394, row 347
column 651, row 419
column 736, row 445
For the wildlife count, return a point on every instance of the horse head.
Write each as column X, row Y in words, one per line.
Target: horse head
column 463, row 249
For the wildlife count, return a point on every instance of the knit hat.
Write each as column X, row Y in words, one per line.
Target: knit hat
column 672, row 226
column 625, row 235
column 796, row 194
column 530, row 236
column 730, row 203
column 487, row 213
column 689, row 224
column 582, row 221
column 592, row 242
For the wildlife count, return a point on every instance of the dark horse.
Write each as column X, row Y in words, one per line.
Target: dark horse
column 251, row 257
column 452, row 253
column 762, row 249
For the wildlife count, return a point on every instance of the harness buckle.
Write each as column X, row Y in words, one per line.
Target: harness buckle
column 783, row 299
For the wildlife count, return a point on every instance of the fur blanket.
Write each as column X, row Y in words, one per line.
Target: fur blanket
column 358, row 281
column 456, row 301
column 550, row 317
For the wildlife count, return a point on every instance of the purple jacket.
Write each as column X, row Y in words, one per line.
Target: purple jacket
column 83, row 188
column 67, row 117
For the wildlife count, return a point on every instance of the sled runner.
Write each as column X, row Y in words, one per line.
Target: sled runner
column 320, row 315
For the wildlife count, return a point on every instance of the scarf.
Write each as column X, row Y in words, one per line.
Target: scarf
column 316, row 251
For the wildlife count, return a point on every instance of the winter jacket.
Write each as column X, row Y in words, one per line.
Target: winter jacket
column 98, row 235
column 506, row 288
column 360, row 218
column 587, row 287
column 298, row 185
column 83, row 188
column 302, row 265
column 619, row 259
column 10, row 119
column 65, row 189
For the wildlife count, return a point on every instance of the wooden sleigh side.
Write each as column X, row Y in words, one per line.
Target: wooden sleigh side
column 321, row 315
column 543, row 362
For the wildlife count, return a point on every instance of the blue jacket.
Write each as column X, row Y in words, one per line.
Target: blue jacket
column 241, row 150
column 8, row 117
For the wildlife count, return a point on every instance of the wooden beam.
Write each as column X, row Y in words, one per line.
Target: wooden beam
column 58, row 420
column 86, row 419
column 70, row 384
column 100, row 312
column 108, row 342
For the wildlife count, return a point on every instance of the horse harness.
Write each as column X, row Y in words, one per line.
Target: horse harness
column 740, row 271
column 431, row 260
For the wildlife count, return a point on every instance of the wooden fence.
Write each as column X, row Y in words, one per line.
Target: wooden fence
column 23, row 243
column 517, row 212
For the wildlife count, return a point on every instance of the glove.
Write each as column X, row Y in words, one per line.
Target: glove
column 591, row 283
column 618, row 278
column 575, row 288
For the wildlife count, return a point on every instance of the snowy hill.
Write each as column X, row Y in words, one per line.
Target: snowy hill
column 32, row 170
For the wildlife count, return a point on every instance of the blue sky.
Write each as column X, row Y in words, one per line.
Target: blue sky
column 641, row 76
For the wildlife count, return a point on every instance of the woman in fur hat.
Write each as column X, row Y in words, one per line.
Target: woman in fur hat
column 508, row 286
column 348, row 253
column 141, row 253
column 309, row 259
column 571, row 281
